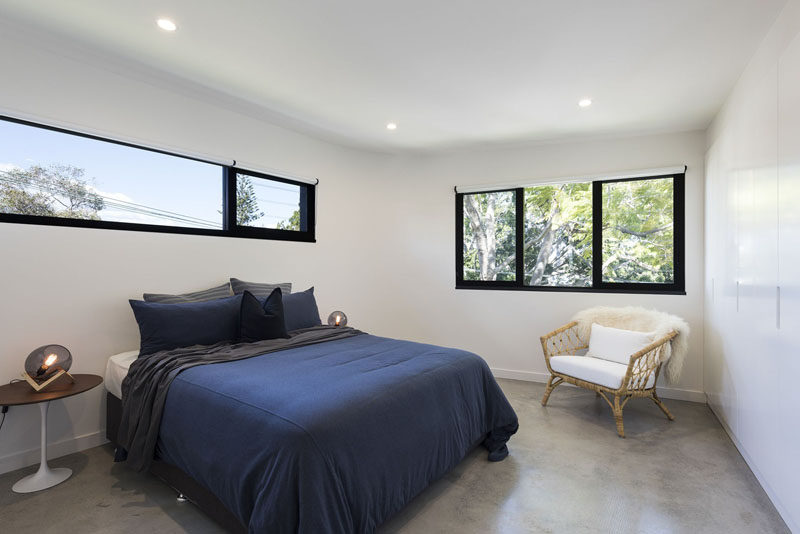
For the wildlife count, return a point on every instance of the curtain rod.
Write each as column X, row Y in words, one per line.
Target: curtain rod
column 641, row 173
column 273, row 172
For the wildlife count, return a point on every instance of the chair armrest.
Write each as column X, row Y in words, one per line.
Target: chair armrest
column 564, row 340
column 646, row 362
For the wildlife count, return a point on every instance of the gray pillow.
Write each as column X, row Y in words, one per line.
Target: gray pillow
column 198, row 296
column 300, row 310
column 259, row 290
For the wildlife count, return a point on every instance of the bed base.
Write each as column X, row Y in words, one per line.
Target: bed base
column 186, row 486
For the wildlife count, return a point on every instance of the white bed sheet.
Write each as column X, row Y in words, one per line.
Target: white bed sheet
column 117, row 370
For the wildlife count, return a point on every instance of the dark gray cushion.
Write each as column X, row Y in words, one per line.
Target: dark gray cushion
column 169, row 326
column 197, row 296
column 300, row 310
column 258, row 289
column 260, row 321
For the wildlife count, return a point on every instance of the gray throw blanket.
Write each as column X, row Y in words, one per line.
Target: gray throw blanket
column 144, row 390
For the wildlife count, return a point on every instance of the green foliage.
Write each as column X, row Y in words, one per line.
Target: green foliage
column 558, row 235
column 55, row 191
column 293, row 223
column 489, row 234
column 20, row 201
column 638, row 231
column 557, row 244
column 246, row 202
column 248, row 210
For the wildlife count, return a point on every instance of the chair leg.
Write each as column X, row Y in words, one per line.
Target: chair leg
column 662, row 406
column 549, row 389
column 618, row 417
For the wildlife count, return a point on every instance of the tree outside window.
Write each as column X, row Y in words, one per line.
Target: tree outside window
column 570, row 239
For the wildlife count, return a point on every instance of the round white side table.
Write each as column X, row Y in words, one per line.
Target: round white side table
column 20, row 393
column 45, row 477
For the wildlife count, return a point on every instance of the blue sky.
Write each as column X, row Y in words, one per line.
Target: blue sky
column 146, row 178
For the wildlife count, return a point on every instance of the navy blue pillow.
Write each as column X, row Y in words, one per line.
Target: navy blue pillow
column 169, row 326
column 261, row 321
column 300, row 310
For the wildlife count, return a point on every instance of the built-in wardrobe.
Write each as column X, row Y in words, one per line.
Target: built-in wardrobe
column 752, row 278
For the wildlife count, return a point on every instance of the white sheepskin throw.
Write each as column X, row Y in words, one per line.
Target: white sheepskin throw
column 641, row 320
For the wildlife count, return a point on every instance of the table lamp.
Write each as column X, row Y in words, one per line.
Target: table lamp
column 47, row 364
column 337, row 318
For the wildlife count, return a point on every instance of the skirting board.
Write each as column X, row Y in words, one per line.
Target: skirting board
column 793, row 526
column 665, row 392
column 57, row 449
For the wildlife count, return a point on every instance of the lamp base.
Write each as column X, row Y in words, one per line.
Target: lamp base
column 38, row 386
column 42, row 479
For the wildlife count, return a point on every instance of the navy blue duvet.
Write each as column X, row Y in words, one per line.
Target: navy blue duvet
column 334, row 437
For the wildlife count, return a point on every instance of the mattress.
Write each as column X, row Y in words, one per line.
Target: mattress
column 117, row 369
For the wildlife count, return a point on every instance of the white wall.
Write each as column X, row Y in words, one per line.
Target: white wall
column 385, row 230
column 504, row 326
column 752, row 362
column 71, row 285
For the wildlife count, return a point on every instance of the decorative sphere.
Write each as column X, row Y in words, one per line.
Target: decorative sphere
column 46, row 360
column 337, row 318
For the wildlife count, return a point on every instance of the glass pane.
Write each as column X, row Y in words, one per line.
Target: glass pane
column 558, row 235
column 638, row 231
column 48, row 173
column 490, row 236
column 265, row 203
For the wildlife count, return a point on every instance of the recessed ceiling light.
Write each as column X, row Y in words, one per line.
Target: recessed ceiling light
column 585, row 102
column 166, row 25
column 391, row 126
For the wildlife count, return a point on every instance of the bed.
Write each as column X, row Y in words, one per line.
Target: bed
column 328, row 437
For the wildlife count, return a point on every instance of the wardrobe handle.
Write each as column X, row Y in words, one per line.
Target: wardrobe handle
column 737, row 296
column 778, row 307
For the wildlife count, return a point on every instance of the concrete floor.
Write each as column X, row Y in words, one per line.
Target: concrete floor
column 567, row 472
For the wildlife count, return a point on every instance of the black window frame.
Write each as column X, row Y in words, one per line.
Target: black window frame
column 228, row 217
column 677, row 287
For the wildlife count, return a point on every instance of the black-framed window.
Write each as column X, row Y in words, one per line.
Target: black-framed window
column 621, row 235
column 53, row 176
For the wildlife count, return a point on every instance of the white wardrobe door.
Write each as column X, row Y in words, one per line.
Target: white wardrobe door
column 724, row 248
column 721, row 260
column 789, row 275
column 712, row 358
column 757, row 337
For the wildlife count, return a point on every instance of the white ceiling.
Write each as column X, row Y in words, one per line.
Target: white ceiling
column 451, row 74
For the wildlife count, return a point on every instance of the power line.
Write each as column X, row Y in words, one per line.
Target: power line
column 117, row 203
column 151, row 213
column 267, row 201
column 290, row 188
column 274, row 217
column 122, row 205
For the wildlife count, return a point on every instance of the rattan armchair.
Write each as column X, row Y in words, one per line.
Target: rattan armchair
column 639, row 380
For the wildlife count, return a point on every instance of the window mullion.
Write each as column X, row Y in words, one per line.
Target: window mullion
column 597, row 234
column 459, row 238
column 679, row 236
column 228, row 199
column 520, row 241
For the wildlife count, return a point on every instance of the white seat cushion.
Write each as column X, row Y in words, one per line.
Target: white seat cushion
column 616, row 345
column 595, row 370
